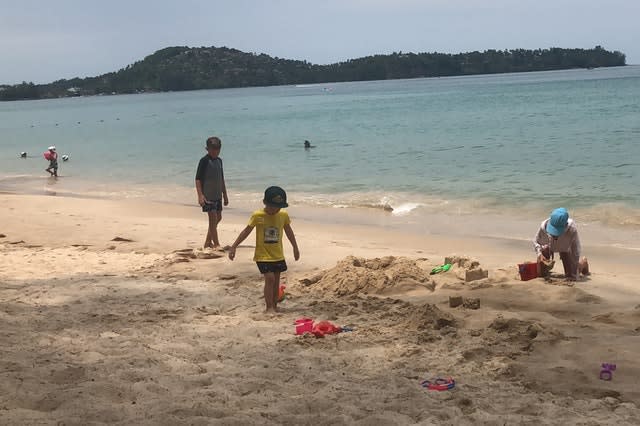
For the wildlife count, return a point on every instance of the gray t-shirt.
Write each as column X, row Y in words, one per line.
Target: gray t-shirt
column 211, row 176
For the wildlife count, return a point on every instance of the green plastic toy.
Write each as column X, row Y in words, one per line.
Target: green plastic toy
column 442, row 268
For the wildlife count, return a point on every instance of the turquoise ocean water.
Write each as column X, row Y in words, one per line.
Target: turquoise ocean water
column 511, row 145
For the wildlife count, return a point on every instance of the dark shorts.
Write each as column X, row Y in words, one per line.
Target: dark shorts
column 212, row 206
column 279, row 266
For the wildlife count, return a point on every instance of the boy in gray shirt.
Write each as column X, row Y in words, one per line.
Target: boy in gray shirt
column 211, row 189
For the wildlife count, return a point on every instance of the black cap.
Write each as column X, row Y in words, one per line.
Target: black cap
column 276, row 197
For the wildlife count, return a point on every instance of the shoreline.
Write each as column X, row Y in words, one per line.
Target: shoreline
column 514, row 227
column 65, row 94
column 324, row 234
column 327, row 235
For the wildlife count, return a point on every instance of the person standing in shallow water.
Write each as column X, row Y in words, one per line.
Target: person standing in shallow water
column 211, row 189
column 53, row 162
column 559, row 234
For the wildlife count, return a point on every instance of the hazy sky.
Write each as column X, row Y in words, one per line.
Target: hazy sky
column 46, row 40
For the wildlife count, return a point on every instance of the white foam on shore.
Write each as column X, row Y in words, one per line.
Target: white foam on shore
column 406, row 208
column 613, row 225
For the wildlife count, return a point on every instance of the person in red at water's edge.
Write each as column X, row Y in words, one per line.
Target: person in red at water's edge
column 53, row 162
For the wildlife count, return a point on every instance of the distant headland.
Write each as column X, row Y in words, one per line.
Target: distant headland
column 195, row 68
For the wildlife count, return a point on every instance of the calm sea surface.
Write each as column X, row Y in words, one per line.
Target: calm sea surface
column 496, row 144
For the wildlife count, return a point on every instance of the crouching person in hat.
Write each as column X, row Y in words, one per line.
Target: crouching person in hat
column 270, row 222
column 559, row 234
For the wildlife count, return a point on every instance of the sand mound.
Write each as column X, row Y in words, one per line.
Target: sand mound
column 514, row 336
column 464, row 262
column 515, row 329
column 429, row 316
column 354, row 275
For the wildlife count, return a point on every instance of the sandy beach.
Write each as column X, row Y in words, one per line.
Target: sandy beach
column 111, row 314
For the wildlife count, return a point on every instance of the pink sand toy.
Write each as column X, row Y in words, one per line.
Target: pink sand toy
column 304, row 325
column 607, row 371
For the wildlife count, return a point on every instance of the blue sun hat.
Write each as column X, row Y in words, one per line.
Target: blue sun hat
column 558, row 222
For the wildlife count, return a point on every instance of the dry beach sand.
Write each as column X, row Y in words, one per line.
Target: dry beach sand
column 109, row 315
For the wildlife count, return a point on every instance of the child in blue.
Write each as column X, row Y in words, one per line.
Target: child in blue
column 559, row 234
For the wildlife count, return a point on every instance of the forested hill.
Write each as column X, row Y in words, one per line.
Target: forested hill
column 188, row 68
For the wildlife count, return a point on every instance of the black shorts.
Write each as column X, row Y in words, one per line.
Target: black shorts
column 212, row 206
column 279, row 266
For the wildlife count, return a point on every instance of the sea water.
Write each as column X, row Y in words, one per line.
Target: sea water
column 421, row 151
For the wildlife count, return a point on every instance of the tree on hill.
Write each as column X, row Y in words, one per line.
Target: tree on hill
column 191, row 68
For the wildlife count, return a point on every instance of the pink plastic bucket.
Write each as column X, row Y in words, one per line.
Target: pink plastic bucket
column 304, row 325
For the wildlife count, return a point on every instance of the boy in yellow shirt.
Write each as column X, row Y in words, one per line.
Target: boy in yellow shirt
column 270, row 222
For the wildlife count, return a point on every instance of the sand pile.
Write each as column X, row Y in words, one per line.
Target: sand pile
column 508, row 339
column 427, row 317
column 354, row 275
column 516, row 334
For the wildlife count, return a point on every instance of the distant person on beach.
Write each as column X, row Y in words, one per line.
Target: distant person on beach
column 559, row 234
column 270, row 222
column 211, row 189
column 53, row 161
column 308, row 145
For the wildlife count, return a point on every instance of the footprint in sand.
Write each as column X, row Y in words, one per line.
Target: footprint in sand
column 605, row 318
column 589, row 298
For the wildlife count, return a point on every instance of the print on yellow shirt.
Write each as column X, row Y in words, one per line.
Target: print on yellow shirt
column 269, row 230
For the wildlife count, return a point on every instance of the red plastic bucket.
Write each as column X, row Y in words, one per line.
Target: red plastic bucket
column 304, row 325
column 528, row 271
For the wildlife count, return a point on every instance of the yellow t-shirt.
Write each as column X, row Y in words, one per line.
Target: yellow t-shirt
column 269, row 229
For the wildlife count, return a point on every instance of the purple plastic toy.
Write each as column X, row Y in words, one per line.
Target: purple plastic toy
column 607, row 371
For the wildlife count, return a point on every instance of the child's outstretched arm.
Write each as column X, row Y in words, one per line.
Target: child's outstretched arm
column 243, row 235
column 292, row 239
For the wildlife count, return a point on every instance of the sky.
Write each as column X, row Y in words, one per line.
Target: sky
column 46, row 40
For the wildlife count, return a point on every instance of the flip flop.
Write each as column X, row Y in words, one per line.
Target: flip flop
column 442, row 268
